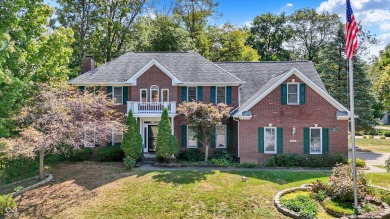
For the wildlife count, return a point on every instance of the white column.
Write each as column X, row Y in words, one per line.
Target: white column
column 172, row 125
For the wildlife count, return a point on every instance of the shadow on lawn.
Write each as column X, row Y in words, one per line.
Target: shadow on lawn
column 182, row 177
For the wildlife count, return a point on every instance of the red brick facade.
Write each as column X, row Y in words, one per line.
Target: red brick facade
column 269, row 110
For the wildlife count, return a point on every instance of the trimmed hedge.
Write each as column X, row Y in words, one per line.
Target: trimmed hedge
column 81, row 154
column 299, row 160
column 192, row 155
column 110, row 153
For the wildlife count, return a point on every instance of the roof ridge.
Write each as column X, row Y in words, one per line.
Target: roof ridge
column 218, row 66
column 276, row 62
column 161, row 52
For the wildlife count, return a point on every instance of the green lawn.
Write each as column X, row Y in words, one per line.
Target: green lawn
column 379, row 179
column 374, row 145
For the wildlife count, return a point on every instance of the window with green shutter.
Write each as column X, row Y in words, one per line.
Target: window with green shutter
column 279, row 140
column 229, row 133
column 260, row 136
column 200, row 93
column 82, row 88
column 283, row 94
column 125, row 94
column 302, row 93
column 229, row 95
column 306, row 140
column 213, row 92
column 184, row 94
column 109, row 92
column 184, row 136
column 325, row 140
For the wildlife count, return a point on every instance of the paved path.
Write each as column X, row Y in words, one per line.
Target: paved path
column 371, row 159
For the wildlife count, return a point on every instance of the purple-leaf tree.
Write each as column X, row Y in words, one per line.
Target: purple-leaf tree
column 64, row 115
column 204, row 117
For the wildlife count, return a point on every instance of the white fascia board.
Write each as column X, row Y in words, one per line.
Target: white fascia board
column 133, row 79
column 97, row 84
column 307, row 81
column 241, row 117
column 211, row 84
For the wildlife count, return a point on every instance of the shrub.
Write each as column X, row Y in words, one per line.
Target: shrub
column 20, row 168
column 298, row 160
column 246, row 165
column 132, row 140
column 338, row 207
column 387, row 134
column 129, row 162
column 370, row 137
column 387, row 165
column 271, row 162
column 6, row 204
column 382, row 137
column 318, row 186
column 359, row 162
column 192, row 155
column 320, row 195
column 164, row 145
column 379, row 193
column 110, row 153
column 303, row 205
column 81, row 154
column 364, row 136
column 224, row 154
column 371, row 132
column 220, row 162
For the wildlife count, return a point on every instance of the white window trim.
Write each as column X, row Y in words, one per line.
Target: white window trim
column 113, row 95
column 113, row 137
column 216, row 134
column 290, row 83
column 276, row 141
column 150, row 94
column 216, row 93
column 162, row 94
column 196, row 93
column 320, row 128
column 140, row 95
column 188, row 139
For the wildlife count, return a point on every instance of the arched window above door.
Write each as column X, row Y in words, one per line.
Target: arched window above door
column 154, row 93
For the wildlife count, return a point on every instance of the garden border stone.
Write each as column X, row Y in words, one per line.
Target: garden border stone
column 307, row 187
column 48, row 178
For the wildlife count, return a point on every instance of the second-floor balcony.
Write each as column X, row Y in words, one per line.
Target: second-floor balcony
column 150, row 107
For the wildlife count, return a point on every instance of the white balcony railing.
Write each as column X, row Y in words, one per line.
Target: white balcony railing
column 150, row 107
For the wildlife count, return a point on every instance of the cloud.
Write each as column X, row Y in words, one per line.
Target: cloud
column 286, row 7
column 248, row 24
column 385, row 26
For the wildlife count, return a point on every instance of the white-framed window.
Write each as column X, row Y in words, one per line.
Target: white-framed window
column 316, row 140
column 164, row 95
column 192, row 94
column 192, row 141
column 221, row 94
column 117, row 94
column 143, row 95
column 91, row 89
column 221, row 137
column 90, row 137
column 270, row 140
column 293, row 93
column 154, row 93
column 116, row 138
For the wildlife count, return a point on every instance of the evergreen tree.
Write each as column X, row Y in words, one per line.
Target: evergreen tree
column 132, row 140
column 165, row 145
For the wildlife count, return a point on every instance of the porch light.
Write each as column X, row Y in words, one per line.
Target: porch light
column 294, row 130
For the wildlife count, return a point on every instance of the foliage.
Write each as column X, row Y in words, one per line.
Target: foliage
column 165, row 145
column 203, row 117
column 267, row 35
column 380, row 73
column 338, row 207
column 220, row 162
column 299, row 160
column 81, row 154
column 245, row 165
column 6, row 204
column 132, row 140
column 224, row 154
column 303, row 205
column 318, row 186
column 110, row 154
column 192, row 155
column 387, row 165
column 320, row 195
column 20, row 168
column 387, row 134
column 380, row 194
column 359, row 162
column 129, row 162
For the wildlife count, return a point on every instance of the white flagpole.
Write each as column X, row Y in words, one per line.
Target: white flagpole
column 352, row 109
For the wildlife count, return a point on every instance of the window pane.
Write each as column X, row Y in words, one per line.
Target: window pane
column 269, row 139
column 221, row 136
column 118, row 94
column 165, row 97
column 192, row 141
column 315, row 140
column 293, row 88
column 144, row 96
column 118, row 138
column 154, row 95
column 191, row 94
column 292, row 98
column 90, row 89
column 220, row 94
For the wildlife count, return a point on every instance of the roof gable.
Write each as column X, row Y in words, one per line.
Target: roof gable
column 133, row 79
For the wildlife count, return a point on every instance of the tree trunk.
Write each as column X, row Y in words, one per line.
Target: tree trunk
column 206, row 153
column 41, row 164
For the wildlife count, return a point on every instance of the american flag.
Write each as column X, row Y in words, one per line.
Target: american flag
column 351, row 32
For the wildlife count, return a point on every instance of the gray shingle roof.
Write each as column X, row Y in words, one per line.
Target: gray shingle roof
column 187, row 66
column 261, row 75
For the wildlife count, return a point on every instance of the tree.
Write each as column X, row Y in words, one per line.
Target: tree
column 166, row 144
column 204, row 118
column 312, row 31
column 132, row 140
column 268, row 33
column 380, row 73
column 31, row 54
column 63, row 115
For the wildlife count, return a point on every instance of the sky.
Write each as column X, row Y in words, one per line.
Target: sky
column 373, row 14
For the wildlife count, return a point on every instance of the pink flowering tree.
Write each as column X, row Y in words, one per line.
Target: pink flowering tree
column 203, row 117
column 63, row 115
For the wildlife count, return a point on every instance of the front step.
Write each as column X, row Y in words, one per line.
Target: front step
column 150, row 157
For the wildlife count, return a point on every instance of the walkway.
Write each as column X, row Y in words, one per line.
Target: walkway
column 372, row 159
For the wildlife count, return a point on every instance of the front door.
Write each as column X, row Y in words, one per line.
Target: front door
column 152, row 137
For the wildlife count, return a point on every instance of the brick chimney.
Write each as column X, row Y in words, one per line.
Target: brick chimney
column 88, row 64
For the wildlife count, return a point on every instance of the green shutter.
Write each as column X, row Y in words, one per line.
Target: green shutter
column 229, row 95
column 229, row 137
column 184, row 94
column 279, row 140
column 184, row 136
column 200, row 93
column 200, row 138
column 213, row 98
column 284, row 94
column 260, row 136
column 325, row 140
column 82, row 88
column 109, row 92
column 302, row 93
column 213, row 141
column 306, row 140
column 125, row 94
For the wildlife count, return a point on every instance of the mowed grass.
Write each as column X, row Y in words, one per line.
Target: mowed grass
column 374, row 145
column 379, row 179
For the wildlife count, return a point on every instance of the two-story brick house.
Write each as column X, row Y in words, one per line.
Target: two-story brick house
column 277, row 107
